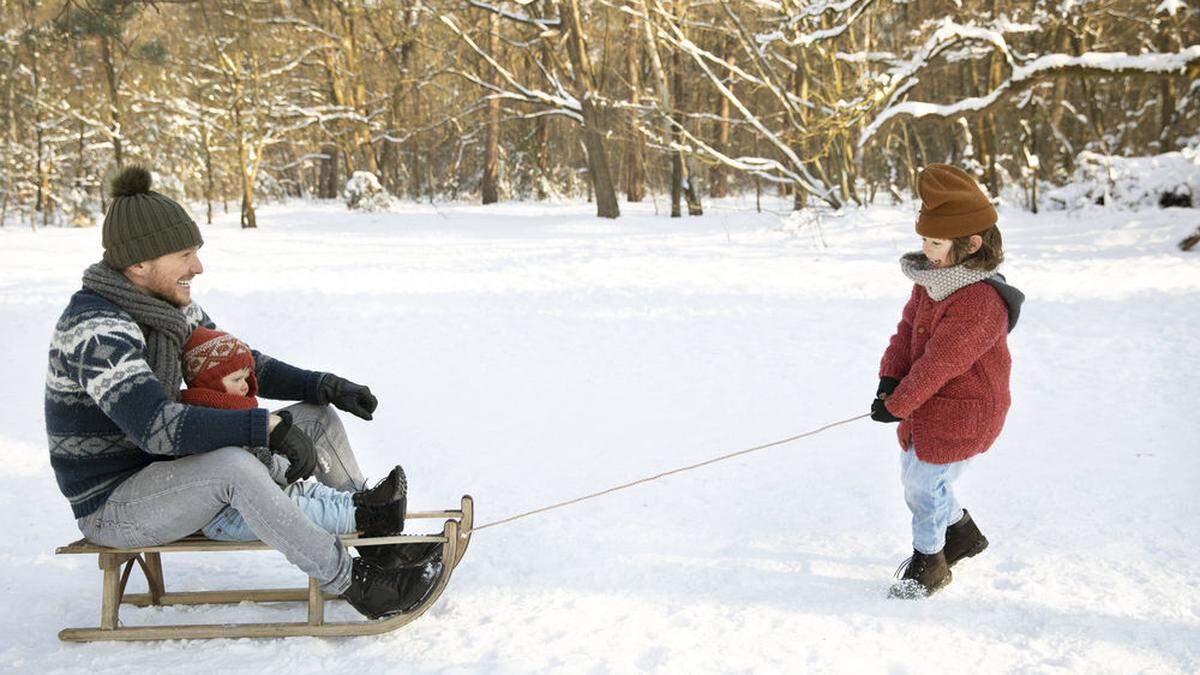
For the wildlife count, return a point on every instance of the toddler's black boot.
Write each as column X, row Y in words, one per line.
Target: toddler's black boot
column 963, row 540
column 377, row 592
column 393, row 489
column 379, row 512
column 924, row 575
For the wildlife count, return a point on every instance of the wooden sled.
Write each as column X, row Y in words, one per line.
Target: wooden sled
column 455, row 536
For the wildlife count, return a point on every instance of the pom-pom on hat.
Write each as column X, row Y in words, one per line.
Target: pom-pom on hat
column 210, row 355
column 952, row 203
column 142, row 224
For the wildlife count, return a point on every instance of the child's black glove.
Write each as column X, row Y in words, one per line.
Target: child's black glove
column 886, row 386
column 880, row 413
column 355, row 399
column 293, row 443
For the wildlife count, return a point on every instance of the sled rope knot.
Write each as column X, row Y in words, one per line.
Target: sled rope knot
column 664, row 474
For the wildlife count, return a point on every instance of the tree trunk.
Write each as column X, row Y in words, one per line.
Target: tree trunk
column 593, row 119
column 327, row 181
column 208, row 172
column 719, row 174
column 491, row 156
column 1190, row 241
column 606, row 194
column 39, row 202
column 114, row 103
column 682, row 184
column 635, row 153
column 245, row 171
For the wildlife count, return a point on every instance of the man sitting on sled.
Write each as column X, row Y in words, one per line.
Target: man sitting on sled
column 139, row 468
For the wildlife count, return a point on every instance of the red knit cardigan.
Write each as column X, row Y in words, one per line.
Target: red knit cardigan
column 952, row 360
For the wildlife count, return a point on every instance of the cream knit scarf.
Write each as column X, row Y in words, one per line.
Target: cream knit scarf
column 939, row 282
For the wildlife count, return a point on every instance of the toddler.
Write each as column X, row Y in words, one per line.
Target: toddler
column 219, row 372
column 944, row 374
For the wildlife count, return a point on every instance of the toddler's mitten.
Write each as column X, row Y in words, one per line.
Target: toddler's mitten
column 291, row 442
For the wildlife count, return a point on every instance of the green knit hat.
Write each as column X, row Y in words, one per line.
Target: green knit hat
column 142, row 224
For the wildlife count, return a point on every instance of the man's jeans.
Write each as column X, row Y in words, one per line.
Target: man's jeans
column 929, row 492
column 172, row 499
column 329, row 509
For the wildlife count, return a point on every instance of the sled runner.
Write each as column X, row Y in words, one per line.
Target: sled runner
column 454, row 537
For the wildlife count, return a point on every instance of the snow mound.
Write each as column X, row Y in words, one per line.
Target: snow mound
column 364, row 193
column 1169, row 179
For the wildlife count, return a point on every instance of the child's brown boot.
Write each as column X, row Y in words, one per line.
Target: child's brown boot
column 963, row 540
column 923, row 576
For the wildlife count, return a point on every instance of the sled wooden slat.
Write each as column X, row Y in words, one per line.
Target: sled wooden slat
column 454, row 538
column 109, row 602
column 230, row 597
column 199, row 544
column 316, row 603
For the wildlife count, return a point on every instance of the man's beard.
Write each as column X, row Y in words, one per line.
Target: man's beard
column 171, row 296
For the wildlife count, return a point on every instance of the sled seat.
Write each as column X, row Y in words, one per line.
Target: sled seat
column 454, row 538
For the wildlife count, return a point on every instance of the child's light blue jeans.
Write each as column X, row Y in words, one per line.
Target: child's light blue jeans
column 929, row 493
column 329, row 509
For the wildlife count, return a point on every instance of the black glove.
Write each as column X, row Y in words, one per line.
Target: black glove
column 886, row 386
column 293, row 443
column 355, row 399
column 880, row 413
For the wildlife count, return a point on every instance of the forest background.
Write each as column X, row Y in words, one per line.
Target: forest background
column 830, row 102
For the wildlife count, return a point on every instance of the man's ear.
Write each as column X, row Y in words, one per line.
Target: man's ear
column 976, row 244
column 136, row 272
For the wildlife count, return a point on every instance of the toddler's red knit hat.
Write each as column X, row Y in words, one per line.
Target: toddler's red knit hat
column 952, row 203
column 210, row 355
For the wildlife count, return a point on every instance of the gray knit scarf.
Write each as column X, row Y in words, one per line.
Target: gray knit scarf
column 163, row 324
column 939, row 282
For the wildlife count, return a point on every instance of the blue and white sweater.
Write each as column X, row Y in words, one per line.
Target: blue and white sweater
column 107, row 416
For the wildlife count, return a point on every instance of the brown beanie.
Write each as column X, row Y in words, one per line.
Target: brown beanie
column 952, row 204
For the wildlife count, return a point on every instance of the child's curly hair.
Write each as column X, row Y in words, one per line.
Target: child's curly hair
column 987, row 258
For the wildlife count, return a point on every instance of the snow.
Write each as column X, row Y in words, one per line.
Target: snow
column 1171, row 7
column 364, row 193
column 1130, row 182
column 530, row 353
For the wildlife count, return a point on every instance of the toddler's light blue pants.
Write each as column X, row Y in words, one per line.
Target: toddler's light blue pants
column 929, row 493
column 329, row 509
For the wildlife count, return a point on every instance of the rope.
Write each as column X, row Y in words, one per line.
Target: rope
column 664, row 474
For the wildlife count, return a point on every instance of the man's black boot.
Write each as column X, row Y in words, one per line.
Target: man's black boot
column 395, row 556
column 376, row 592
column 963, row 540
column 924, row 575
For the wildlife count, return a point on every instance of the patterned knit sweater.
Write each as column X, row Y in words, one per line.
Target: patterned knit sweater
column 107, row 416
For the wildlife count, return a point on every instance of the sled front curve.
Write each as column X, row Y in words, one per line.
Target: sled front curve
column 455, row 536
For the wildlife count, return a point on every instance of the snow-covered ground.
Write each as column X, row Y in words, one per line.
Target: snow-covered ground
column 529, row 353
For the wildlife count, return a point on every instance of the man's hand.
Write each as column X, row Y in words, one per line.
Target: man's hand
column 355, row 399
column 293, row 443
